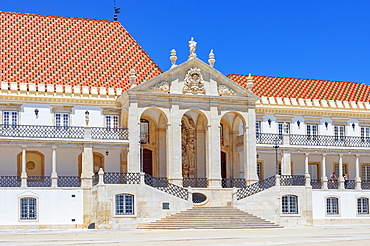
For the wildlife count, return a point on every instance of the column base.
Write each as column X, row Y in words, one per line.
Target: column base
column 24, row 180
column 307, row 179
column 358, row 183
column 142, row 178
column 324, row 183
column 277, row 180
column 214, row 183
column 341, row 184
column 54, row 180
column 86, row 182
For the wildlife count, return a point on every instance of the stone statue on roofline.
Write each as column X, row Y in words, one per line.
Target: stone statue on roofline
column 192, row 48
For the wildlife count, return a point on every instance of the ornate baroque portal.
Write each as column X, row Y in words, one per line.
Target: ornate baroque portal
column 188, row 147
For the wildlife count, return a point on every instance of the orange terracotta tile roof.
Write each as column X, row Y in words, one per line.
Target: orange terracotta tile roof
column 265, row 86
column 70, row 51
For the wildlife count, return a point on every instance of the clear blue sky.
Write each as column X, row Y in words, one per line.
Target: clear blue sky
column 298, row 38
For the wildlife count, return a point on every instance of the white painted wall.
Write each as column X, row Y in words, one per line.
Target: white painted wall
column 28, row 117
column 347, row 207
column 55, row 207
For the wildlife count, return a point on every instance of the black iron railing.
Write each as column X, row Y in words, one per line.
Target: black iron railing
column 95, row 179
column 36, row 131
column 195, row 182
column 121, row 178
column 268, row 138
column 38, row 181
column 233, row 182
column 351, row 184
column 162, row 184
column 316, row 183
column 365, row 184
column 10, row 181
column 109, row 133
column 333, row 184
column 255, row 188
column 325, row 140
column 292, row 180
column 69, row 181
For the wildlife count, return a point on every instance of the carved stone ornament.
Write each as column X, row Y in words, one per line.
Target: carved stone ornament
column 225, row 91
column 161, row 87
column 193, row 82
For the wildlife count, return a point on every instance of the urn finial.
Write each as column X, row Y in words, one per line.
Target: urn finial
column 211, row 60
column 132, row 77
column 250, row 82
column 173, row 58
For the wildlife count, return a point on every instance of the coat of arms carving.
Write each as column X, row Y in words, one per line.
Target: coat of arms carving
column 193, row 82
column 225, row 91
column 161, row 87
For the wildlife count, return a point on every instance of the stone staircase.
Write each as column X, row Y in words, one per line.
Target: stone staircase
column 211, row 218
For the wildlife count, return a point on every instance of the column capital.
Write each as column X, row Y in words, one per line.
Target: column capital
column 357, row 155
column 324, row 154
column 306, row 154
column 340, row 155
column 24, row 147
column 54, row 147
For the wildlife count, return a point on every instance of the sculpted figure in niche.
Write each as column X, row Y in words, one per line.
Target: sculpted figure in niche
column 188, row 147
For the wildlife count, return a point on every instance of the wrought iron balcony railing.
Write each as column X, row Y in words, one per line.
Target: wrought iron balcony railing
column 36, row 131
column 268, row 138
column 195, row 182
column 109, row 133
column 325, row 140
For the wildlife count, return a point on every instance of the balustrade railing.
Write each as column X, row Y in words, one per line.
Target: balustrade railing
column 95, row 179
column 162, row 184
column 255, row 188
column 233, row 182
column 109, row 133
column 325, row 140
column 365, row 184
column 69, row 181
column 36, row 131
column 121, row 178
column 195, row 182
column 292, row 180
column 316, row 183
column 10, row 181
column 38, row 181
column 351, row 184
column 268, row 138
column 333, row 184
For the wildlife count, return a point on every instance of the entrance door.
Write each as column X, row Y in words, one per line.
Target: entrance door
column 223, row 165
column 147, row 162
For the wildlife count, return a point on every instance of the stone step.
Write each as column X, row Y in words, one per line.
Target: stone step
column 211, row 218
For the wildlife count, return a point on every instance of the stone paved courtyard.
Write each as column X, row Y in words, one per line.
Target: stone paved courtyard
column 350, row 235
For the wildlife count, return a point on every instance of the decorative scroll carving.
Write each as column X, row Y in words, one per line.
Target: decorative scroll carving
column 161, row 87
column 193, row 82
column 225, row 91
column 188, row 147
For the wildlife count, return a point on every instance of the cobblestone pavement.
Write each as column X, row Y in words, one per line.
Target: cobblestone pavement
column 317, row 235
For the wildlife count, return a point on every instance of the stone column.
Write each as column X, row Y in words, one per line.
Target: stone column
column 324, row 179
column 358, row 178
column 341, row 178
column 175, row 161
column 286, row 163
column 24, row 172
column 86, row 183
column 250, row 150
column 214, row 149
column 87, row 166
column 133, row 165
column 54, row 176
column 306, row 173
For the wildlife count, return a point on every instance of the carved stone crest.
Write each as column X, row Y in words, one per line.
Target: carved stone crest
column 161, row 87
column 225, row 91
column 193, row 82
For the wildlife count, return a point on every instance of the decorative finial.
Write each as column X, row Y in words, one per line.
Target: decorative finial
column 211, row 60
column 192, row 47
column 173, row 58
column 132, row 78
column 116, row 11
column 250, row 82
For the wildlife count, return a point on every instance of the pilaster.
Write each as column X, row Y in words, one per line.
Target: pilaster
column 175, row 160
column 133, row 165
column 214, row 149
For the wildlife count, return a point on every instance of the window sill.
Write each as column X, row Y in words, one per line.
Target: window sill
column 290, row 215
column 124, row 216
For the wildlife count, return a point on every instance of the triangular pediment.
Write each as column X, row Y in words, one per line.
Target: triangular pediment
column 194, row 77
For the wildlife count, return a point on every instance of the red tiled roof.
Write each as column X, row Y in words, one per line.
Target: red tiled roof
column 305, row 88
column 70, row 51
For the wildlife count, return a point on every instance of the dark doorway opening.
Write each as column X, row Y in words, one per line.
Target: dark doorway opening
column 147, row 162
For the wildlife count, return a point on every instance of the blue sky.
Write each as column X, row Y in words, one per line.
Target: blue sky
column 318, row 39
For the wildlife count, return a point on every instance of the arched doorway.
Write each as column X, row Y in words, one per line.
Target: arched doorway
column 35, row 163
column 147, row 162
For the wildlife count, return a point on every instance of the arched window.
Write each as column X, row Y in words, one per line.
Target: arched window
column 363, row 205
column 144, row 128
column 290, row 204
column 28, row 208
column 124, row 204
column 332, row 205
